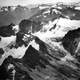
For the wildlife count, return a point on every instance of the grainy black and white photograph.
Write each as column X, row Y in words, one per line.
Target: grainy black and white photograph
column 39, row 39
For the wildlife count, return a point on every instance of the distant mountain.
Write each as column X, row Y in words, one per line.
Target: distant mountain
column 44, row 12
column 15, row 16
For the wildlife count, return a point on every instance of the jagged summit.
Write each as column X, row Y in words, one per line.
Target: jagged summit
column 44, row 45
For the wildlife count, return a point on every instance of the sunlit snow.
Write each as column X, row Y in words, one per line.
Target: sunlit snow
column 6, row 40
column 62, row 27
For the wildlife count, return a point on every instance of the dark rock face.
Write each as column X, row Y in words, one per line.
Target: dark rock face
column 25, row 25
column 3, row 73
column 19, row 41
column 32, row 58
column 71, row 40
column 1, row 51
column 6, row 31
column 28, row 26
column 7, row 73
column 37, row 64
column 70, row 11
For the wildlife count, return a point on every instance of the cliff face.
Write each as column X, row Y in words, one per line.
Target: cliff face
column 45, row 47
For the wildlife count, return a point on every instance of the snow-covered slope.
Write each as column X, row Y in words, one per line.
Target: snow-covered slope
column 51, row 30
column 45, row 52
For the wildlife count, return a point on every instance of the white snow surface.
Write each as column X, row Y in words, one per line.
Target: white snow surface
column 62, row 27
column 6, row 40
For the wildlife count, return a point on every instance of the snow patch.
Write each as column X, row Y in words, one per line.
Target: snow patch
column 16, row 28
column 78, row 8
column 19, row 52
column 34, row 44
column 6, row 40
column 69, row 23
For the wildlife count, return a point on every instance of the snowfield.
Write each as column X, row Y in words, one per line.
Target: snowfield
column 51, row 52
